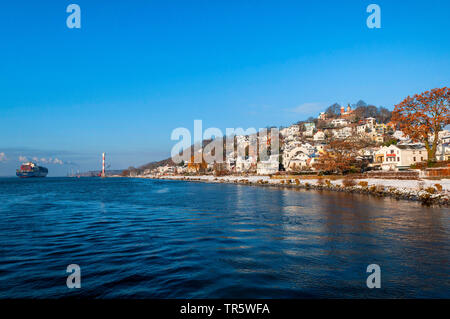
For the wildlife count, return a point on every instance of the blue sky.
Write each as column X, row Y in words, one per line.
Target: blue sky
column 137, row 70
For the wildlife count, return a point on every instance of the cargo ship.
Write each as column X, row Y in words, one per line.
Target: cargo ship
column 31, row 170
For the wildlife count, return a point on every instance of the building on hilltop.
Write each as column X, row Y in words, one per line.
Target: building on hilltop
column 346, row 112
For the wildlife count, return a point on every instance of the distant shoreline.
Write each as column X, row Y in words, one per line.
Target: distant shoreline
column 424, row 191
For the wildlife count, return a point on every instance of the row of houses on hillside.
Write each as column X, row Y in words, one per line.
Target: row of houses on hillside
column 301, row 145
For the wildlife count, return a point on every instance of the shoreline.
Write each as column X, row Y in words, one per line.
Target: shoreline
column 428, row 192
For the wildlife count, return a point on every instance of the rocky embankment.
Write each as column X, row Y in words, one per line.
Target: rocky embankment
column 429, row 192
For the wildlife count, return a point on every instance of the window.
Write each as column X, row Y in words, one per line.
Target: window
column 398, row 159
column 414, row 159
column 421, row 159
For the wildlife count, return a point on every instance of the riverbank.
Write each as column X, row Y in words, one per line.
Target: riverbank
column 429, row 192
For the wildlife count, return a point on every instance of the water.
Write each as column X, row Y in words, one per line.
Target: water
column 136, row 238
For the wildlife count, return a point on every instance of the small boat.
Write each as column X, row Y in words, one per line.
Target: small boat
column 31, row 170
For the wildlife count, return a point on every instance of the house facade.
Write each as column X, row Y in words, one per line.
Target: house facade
column 339, row 122
column 443, row 152
column 319, row 136
column 398, row 157
column 268, row 167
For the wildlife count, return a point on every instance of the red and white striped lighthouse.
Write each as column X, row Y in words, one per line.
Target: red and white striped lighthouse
column 103, row 165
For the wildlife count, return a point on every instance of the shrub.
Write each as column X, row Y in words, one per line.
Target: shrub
column 320, row 181
column 297, row 181
column 373, row 188
column 363, row 183
column 438, row 187
column 430, row 190
column 426, row 199
column 348, row 182
column 328, row 182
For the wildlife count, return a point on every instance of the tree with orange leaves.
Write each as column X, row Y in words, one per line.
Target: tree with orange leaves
column 197, row 167
column 339, row 156
column 423, row 116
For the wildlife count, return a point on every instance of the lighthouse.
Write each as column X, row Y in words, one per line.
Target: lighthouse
column 103, row 165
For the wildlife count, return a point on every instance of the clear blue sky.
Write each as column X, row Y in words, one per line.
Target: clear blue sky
column 138, row 69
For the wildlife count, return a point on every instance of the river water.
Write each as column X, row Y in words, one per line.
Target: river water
column 138, row 238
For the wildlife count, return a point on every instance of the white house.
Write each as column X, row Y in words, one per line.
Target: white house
column 295, row 154
column 445, row 139
column 371, row 121
column 442, row 135
column 339, row 122
column 268, row 167
column 342, row 133
column 293, row 130
column 297, row 162
column 322, row 116
column 309, row 129
column 399, row 135
column 166, row 169
column 397, row 157
column 308, row 133
column 443, row 152
column 309, row 126
column 230, row 161
column 363, row 129
column 443, row 149
column 242, row 141
column 319, row 136
column 244, row 164
column 309, row 149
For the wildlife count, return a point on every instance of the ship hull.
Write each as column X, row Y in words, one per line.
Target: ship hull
column 31, row 174
column 30, row 169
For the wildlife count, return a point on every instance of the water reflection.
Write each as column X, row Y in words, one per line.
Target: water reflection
column 195, row 240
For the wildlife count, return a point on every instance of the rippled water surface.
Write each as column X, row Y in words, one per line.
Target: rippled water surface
column 137, row 238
